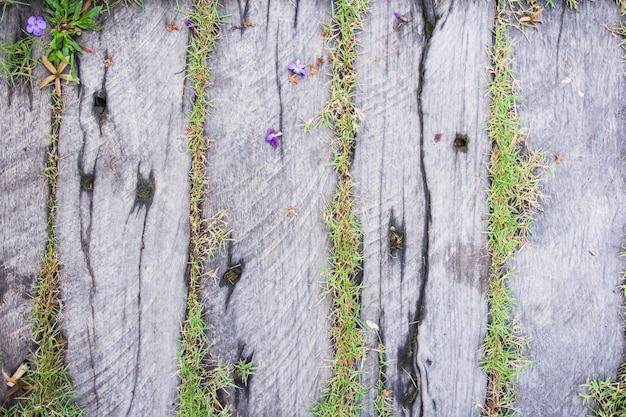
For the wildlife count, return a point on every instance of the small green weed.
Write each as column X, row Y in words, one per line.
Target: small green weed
column 17, row 65
column 609, row 397
column 243, row 370
column 68, row 19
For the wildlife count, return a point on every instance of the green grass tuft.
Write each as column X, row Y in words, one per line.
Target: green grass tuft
column 202, row 379
column 344, row 393
column 18, row 64
column 608, row 397
column 513, row 193
column 243, row 370
column 382, row 403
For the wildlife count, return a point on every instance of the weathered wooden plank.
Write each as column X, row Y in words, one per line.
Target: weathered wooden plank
column 124, row 252
column 572, row 79
column 428, row 298
column 123, row 213
column 24, row 133
column 275, row 311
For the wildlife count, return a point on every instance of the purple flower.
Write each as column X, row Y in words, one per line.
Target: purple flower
column 272, row 136
column 297, row 68
column 190, row 24
column 438, row 137
column 400, row 17
column 36, row 25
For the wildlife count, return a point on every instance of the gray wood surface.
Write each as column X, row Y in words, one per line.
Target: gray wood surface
column 567, row 275
column 275, row 312
column 24, row 133
column 124, row 248
column 429, row 298
column 124, row 251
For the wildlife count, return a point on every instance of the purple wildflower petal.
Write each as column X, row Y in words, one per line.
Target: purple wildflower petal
column 296, row 67
column 41, row 24
column 438, row 137
column 31, row 24
column 190, row 24
column 36, row 25
column 400, row 17
column 272, row 137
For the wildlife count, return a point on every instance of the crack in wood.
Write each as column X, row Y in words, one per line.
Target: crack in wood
column 85, row 239
column 280, row 96
column 87, row 182
column 295, row 18
column 417, row 370
column 243, row 14
column 99, row 104
column 139, row 288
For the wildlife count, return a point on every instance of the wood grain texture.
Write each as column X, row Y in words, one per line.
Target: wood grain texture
column 123, row 213
column 276, row 311
column 566, row 278
column 24, row 136
column 124, row 251
column 428, row 298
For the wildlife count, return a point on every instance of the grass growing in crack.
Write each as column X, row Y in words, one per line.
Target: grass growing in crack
column 344, row 393
column 201, row 382
column 382, row 403
column 49, row 390
column 513, row 191
column 243, row 370
column 17, row 65
column 609, row 396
